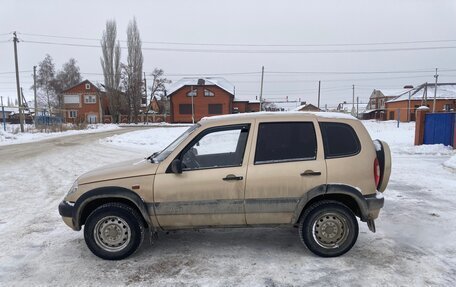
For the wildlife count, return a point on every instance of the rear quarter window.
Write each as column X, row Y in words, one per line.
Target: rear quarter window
column 339, row 139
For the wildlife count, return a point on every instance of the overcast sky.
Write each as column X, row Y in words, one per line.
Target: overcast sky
column 296, row 25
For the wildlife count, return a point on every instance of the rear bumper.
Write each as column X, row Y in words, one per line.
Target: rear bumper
column 374, row 202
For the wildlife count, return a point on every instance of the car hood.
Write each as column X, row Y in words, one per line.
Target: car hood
column 131, row 168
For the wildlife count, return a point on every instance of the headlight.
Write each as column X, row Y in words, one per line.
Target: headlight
column 73, row 188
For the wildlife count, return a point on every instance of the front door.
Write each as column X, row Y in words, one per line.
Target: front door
column 210, row 190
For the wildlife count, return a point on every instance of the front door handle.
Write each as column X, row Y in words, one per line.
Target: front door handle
column 310, row 172
column 233, row 177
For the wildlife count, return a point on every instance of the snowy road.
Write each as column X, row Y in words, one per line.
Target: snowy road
column 414, row 244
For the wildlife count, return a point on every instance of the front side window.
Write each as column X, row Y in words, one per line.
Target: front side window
column 222, row 147
column 285, row 141
column 340, row 140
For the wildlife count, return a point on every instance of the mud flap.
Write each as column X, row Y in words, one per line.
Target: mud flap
column 371, row 225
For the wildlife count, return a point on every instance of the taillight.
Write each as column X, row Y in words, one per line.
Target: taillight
column 376, row 172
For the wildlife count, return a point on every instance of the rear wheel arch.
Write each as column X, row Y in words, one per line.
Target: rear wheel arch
column 347, row 195
column 95, row 198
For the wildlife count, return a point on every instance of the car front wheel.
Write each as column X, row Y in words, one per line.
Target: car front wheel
column 113, row 231
column 328, row 228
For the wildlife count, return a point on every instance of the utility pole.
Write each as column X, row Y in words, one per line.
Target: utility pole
column 261, row 89
column 193, row 109
column 21, row 116
column 425, row 93
column 34, row 94
column 357, row 107
column 436, row 76
column 353, row 101
column 319, row 86
column 3, row 116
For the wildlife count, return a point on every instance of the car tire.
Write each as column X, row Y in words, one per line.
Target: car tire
column 328, row 228
column 114, row 231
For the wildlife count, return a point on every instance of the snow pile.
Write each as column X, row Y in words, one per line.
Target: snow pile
column 12, row 136
column 401, row 140
column 146, row 141
column 451, row 163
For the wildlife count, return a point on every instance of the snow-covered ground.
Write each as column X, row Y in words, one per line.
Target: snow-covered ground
column 414, row 244
column 12, row 135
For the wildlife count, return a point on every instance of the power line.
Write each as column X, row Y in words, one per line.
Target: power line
column 220, row 51
column 26, row 71
column 254, row 45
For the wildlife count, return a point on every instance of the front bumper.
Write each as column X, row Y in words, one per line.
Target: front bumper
column 66, row 211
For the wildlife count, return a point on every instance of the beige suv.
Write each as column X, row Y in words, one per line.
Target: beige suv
column 314, row 171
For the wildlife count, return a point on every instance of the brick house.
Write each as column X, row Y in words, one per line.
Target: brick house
column 194, row 98
column 307, row 107
column 84, row 102
column 244, row 106
column 375, row 109
column 422, row 95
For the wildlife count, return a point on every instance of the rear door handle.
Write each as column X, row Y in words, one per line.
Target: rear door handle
column 233, row 177
column 310, row 172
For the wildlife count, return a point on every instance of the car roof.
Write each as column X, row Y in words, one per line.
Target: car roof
column 275, row 115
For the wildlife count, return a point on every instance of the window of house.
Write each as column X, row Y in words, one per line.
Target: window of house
column 215, row 109
column 71, row 99
column 285, row 141
column 447, row 107
column 208, row 93
column 391, row 115
column 90, row 99
column 216, row 148
column 72, row 114
column 87, row 86
column 192, row 93
column 185, row 109
column 92, row 119
column 339, row 140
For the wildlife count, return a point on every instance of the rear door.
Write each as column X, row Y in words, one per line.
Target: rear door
column 285, row 163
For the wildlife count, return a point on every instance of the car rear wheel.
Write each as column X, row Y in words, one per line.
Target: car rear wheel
column 328, row 228
column 113, row 231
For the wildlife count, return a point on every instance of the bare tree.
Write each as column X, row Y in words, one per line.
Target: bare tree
column 45, row 83
column 133, row 81
column 110, row 63
column 69, row 76
column 158, row 89
column 66, row 78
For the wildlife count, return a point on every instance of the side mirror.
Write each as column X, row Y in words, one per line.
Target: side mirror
column 176, row 166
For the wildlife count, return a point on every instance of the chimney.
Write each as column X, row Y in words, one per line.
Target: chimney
column 201, row 82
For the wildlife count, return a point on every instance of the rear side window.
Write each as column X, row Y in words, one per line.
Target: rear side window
column 285, row 141
column 340, row 140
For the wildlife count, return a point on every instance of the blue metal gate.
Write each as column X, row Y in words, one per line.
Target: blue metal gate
column 439, row 128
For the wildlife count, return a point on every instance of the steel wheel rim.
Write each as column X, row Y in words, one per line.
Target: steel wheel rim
column 330, row 230
column 112, row 233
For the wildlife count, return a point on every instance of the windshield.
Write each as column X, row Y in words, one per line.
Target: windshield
column 160, row 156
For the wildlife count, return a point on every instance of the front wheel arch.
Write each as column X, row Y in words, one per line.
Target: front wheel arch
column 91, row 200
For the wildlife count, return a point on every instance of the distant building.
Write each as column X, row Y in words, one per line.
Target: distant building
column 305, row 107
column 84, row 102
column 201, row 97
column 423, row 95
column 375, row 109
